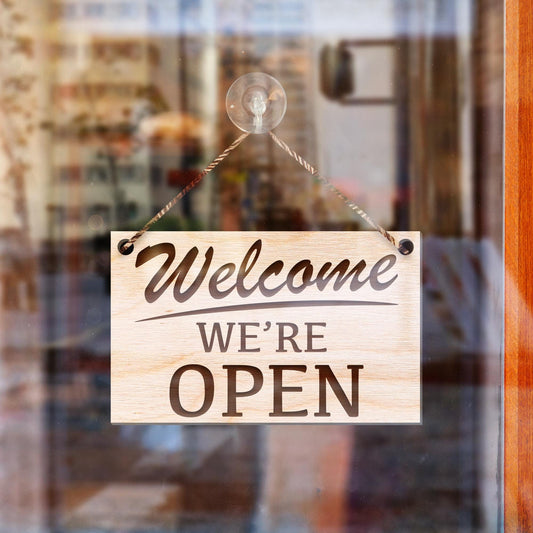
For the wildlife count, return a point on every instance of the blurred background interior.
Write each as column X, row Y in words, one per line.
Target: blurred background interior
column 107, row 109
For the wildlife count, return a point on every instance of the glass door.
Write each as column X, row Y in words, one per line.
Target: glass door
column 108, row 108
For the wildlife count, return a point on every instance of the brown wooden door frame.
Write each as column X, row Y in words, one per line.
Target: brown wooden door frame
column 518, row 380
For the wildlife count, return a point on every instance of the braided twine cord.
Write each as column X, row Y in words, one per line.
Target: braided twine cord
column 312, row 170
column 324, row 181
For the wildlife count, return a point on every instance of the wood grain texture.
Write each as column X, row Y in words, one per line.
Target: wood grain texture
column 518, row 463
column 371, row 320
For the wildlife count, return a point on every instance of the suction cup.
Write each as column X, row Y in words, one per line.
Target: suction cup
column 256, row 102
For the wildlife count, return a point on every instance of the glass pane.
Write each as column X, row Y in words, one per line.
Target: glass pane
column 107, row 109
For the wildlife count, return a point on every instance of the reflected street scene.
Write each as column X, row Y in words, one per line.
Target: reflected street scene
column 108, row 108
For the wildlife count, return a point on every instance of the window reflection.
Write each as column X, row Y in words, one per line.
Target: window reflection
column 107, row 110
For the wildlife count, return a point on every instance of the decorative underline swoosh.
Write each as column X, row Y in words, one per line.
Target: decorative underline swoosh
column 268, row 305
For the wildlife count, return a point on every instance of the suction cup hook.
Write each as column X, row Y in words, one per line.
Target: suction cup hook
column 256, row 102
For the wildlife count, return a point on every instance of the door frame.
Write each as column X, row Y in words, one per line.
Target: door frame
column 518, row 322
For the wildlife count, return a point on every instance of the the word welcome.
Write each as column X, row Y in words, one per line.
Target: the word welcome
column 296, row 278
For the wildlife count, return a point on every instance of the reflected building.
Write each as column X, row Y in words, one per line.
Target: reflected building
column 100, row 87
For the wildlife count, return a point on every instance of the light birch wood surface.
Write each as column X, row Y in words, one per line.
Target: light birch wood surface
column 377, row 329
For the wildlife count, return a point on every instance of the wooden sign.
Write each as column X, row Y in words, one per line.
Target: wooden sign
column 269, row 327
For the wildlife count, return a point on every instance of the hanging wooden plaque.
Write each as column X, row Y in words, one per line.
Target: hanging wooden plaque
column 265, row 327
